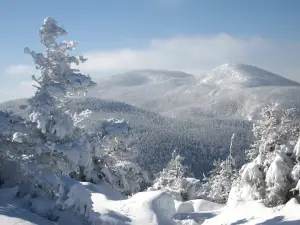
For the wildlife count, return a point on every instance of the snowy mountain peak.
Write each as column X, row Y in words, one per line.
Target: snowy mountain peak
column 242, row 75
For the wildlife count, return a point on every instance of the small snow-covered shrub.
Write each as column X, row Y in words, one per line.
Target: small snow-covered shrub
column 117, row 167
column 217, row 186
column 174, row 179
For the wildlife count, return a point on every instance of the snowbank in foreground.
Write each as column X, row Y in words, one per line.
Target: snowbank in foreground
column 255, row 213
column 100, row 204
column 151, row 208
column 13, row 213
column 198, row 205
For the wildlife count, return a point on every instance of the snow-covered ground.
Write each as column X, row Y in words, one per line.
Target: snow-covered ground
column 255, row 213
column 100, row 204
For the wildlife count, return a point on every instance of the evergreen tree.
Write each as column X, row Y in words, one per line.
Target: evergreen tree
column 217, row 185
column 118, row 167
column 57, row 81
column 56, row 144
column 177, row 180
column 272, row 172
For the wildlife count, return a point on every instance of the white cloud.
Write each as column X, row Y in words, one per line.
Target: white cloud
column 20, row 70
column 23, row 89
column 3, row 95
column 198, row 54
column 189, row 54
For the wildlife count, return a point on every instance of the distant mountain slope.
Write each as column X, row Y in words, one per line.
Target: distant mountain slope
column 146, row 77
column 137, row 87
column 241, row 75
column 195, row 115
column 229, row 90
column 200, row 141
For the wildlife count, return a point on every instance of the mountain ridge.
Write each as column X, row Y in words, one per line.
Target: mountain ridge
column 228, row 90
column 243, row 75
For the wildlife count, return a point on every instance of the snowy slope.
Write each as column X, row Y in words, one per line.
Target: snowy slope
column 255, row 213
column 242, row 75
column 228, row 90
column 12, row 213
column 93, row 203
column 136, row 87
column 99, row 204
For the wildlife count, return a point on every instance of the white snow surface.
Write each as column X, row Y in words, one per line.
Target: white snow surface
column 13, row 213
column 100, row 204
column 242, row 75
column 103, row 206
column 255, row 213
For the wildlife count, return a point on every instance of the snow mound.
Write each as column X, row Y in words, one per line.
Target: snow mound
column 254, row 212
column 13, row 213
column 201, row 205
column 242, row 75
column 100, row 205
column 198, row 205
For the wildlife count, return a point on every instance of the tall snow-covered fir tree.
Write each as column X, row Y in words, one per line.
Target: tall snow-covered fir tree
column 58, row 80
column 63, row 147
column 66, row 147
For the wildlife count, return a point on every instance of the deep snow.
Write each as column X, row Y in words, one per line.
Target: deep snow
column 103, row 205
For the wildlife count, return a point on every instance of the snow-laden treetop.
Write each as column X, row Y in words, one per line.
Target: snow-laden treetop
column 58, row 80
column 55, row 65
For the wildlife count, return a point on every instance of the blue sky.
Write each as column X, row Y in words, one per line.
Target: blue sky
column 190, row 35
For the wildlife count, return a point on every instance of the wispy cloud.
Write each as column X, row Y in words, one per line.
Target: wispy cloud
column 189, row 54
column 22, row 89
column 20, row 69
column 199, row 54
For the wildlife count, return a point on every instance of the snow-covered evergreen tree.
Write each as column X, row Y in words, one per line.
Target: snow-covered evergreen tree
column 117, row 166
column 236, row 153
column 58, row 80
column 277, row 126
column 66, row 148
column 217, row 185
column 177, row 180
column 272, row 172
